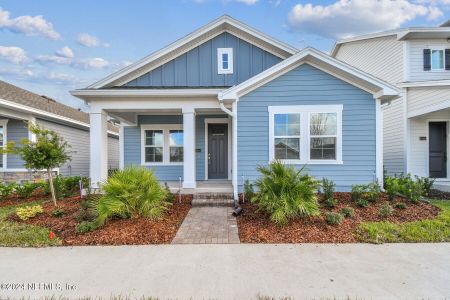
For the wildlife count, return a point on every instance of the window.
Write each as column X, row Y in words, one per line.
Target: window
column 3, row 142
column 302, row 134
column 225, row 60
column 437, row 59
column 162, row 144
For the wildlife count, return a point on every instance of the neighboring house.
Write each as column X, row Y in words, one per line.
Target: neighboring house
column 227, row 98
column 18, row 105
column 416, row 126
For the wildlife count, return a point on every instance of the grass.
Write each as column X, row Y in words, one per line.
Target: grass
column 424, row 231
column 14, row 234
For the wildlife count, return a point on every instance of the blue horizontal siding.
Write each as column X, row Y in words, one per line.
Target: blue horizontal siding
column 307, row 85
column 16, row 131
column 198, row 67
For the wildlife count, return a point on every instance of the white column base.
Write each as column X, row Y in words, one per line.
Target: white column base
column 189, row 184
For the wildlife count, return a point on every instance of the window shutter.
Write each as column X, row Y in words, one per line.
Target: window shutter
column 447, row 59
column 426, row 59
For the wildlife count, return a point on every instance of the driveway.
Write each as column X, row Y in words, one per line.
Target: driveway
column 239, row 271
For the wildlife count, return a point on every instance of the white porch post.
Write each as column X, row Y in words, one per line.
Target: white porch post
column 98, row 148
column 189, row 181
column 235, row 152
column 379, row 142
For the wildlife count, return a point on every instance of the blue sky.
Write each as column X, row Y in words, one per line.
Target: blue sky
column 53, row 46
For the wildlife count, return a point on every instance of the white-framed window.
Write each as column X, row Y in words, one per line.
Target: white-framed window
column 3, row 141
column 161, row 144
column 300, row 134
column 225, row 60
column 437, row 59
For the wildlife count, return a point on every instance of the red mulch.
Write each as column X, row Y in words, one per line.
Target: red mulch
column 138, row 231
column 16, row 200
column 256, row 227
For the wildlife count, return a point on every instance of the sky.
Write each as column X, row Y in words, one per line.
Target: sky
column 53, row 46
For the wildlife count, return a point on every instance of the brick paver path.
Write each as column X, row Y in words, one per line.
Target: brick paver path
column 208, row 225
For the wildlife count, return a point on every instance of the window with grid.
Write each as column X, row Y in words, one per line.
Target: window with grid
column 287, row 136
column 437, row 60
column 323, row 135
column 154, row 146
column 176, row 145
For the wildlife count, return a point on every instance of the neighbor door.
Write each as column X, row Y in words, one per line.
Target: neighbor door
column 217, row 151
column 438, row 149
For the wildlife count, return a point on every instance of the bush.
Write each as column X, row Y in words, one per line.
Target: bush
column 26, row 189
column 358, row 191
column 410, row 188
column 370, row 192
column 328, row 193
column 400, row 205
column 170, row 197
column 28, row 212
column 7, row 190
column 348, row 212
column 385, row 210
column 249, row 192
column 334, row 218
column 87, row 210
column 67, row 186
column 58, row 212
column 362, row 202
column 392, row 188
column 85, row 227
column 426, row 183
column 132, row 192
column 285, row 193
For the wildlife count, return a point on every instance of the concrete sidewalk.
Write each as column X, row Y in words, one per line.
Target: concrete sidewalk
column 392, row 271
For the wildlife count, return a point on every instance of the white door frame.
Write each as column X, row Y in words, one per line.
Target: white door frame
column 428, row 147
column 218, row 121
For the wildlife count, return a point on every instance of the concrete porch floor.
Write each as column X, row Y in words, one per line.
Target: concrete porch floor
column 204, row 186
column 442, row 186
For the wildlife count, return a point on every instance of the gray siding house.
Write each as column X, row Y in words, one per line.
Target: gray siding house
column 216, row 104
column 18, row 105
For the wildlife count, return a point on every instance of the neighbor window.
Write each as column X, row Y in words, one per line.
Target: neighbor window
column 305, row 133
column 3, row 142
column 437, row 60
column 225, row 60
column 162, row 144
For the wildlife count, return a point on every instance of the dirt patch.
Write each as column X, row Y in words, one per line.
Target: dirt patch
column 256, row 227
column 138, row 231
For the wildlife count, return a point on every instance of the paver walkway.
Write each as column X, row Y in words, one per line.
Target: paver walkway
column 208, row 225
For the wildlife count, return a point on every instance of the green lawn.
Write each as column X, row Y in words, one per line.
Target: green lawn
column 426, row 231
column 13, row 234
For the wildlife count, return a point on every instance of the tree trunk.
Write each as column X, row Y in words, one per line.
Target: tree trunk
column 52, row 188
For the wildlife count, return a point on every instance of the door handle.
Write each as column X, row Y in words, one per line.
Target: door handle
column 209, row 158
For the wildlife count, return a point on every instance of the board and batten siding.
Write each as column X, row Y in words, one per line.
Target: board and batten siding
column 381, row 57
column 306, row 85
column 16, row 131
column 393, row 137
column 132, row 145
column 198, row 67
column 416, row 72
column 424, row 98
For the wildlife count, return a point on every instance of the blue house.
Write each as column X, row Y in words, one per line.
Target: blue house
column 219, row 102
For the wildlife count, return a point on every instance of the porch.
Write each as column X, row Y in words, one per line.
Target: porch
column 204, row 186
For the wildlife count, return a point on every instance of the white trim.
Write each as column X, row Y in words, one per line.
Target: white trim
column 379, row 141
column 429, row 109
column 424, row 83
column 427, row 134
column 229, row 150
column 121, row 147
column 220, row 53
column 31, row 136
column 234, row 169
column 406, row 61
column 406, row 132
column 223, row 21
column 305, row 111
column 383, row 89
column 4, row 124
column 431, row 59
column 86, row 93
column 166, row 146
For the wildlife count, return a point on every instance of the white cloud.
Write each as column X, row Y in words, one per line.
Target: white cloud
column 65, row 52
column 56, row 59
column 248, row 2
column 63, row 78
column 90, row 41
column 345, row 18
column 21, row 73
column 28, row 25
column 90, row 63
column 13, row 54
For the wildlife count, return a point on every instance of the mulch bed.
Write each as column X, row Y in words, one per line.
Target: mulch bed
column 137, row 231
column 436, row 194
column 15, row 200
column 256, row 227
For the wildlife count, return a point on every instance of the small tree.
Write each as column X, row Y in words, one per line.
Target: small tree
column 49, row 151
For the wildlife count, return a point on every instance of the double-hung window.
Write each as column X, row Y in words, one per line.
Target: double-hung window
column 437, row 59
column 3, row 142
column 300, row 134
column 224, row 60
column 162, row 144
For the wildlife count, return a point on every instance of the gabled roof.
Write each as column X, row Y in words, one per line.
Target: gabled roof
column 400, row 35
column 316, row 58
column 16, row 98
column 192, row 40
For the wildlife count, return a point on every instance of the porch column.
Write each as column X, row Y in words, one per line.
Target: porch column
column 235, row 153
column 189, row 181
column 98, row 148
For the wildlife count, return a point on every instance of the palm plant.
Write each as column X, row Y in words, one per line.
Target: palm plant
column 130, row 193
column 286, row 193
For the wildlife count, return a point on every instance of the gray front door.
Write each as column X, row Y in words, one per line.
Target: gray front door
column 217, row 151
column 438, row 149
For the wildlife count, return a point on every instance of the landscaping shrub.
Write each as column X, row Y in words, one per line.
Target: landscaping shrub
column 426, row 183
column 385, row 210
column 249, row 191
column 358, row 191
column 85, row 226
column 348, row 212
column 400, row 205
column 26, row 189
column 362, row 202
column 392, row 188
column 58, row 212
column 410, row 188
column 67, row 186
column 7, row 190
column 373, row 191
column 328, row 187
column 286, row 193
column 28, row 212
column 170, row 197
column 334, row 218
column 87, row 210
column 131, row 192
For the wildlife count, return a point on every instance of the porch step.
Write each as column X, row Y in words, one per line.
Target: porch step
column 212, row 199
